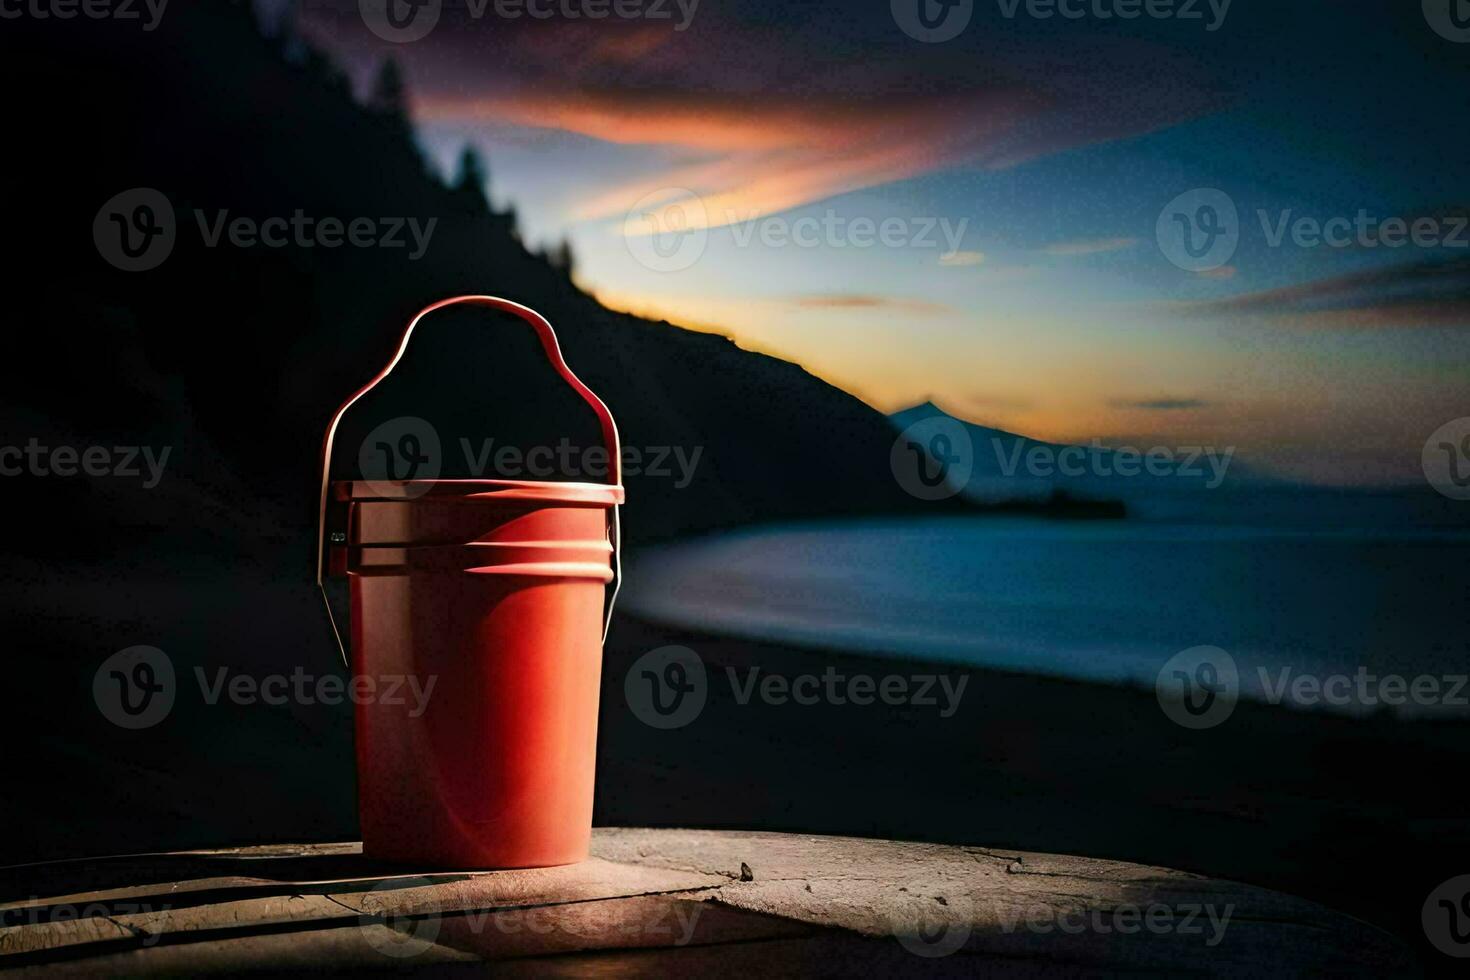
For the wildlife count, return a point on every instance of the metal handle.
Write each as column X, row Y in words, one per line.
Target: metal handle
column 549, row 344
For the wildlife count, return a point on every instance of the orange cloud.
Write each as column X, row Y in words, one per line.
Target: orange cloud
column 755, row 163
column 629, row 46
column 863, row 301
column 763, row 116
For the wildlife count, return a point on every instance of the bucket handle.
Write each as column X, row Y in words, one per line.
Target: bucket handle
column 547, row 336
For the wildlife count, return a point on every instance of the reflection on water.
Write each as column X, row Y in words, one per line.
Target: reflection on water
column 1106, row 601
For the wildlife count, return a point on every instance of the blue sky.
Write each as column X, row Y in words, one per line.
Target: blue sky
column 1055, row 145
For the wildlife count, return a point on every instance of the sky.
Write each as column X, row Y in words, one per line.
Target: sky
column 1153, row 230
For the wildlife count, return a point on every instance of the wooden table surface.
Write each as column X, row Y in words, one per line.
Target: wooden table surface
column 668, row 901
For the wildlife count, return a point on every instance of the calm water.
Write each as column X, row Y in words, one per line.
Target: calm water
column 1106, row 601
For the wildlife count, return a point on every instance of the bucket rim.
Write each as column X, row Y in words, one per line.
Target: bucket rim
column 605, row 494
column 537, row 559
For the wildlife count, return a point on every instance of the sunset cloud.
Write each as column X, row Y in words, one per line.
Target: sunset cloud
column 744, row 165
column 759, row 115
column 859, row 301
column 1419, row 294
column 1092, row 247
column 1160, row 404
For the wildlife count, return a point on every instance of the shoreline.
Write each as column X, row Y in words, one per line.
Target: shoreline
column 1273, row 686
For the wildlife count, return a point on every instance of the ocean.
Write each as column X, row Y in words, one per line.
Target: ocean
column 1107, row 601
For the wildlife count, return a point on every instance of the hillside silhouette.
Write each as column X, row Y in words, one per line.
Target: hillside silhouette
column 232, row 360
column 237, row 356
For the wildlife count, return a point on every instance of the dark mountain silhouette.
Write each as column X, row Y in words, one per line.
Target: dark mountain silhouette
column 232, row 359
column 236, row 356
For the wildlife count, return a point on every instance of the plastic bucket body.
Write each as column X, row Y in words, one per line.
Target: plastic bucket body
column 478, row 611
column 482, row 602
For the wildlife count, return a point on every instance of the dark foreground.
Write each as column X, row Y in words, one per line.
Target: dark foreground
column 1364, row 816
column 671, row 902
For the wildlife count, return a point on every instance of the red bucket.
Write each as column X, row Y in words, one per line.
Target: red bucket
column 498, row 592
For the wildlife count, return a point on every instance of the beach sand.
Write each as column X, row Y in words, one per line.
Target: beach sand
column 1365, row 815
